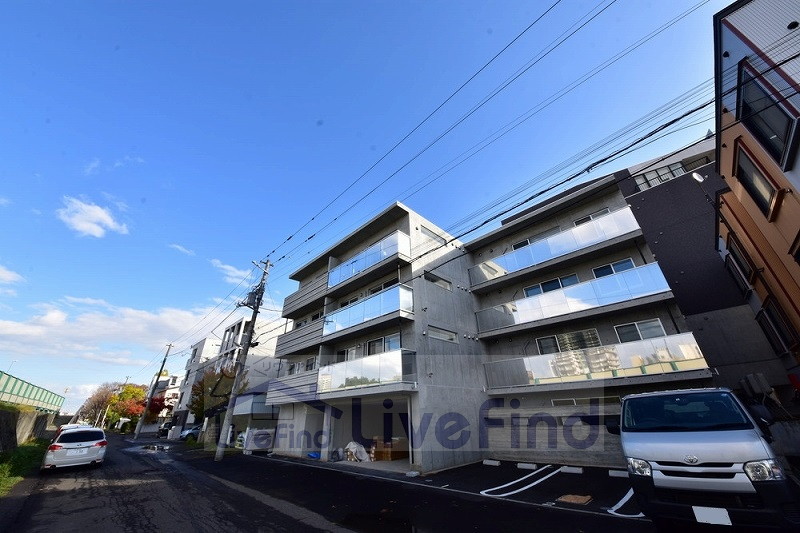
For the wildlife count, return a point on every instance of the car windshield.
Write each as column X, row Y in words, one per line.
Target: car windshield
column 80, row 436
column 699, row 411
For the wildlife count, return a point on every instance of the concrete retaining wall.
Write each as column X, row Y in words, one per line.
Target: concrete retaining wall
column 18, row 427
column 787, row 437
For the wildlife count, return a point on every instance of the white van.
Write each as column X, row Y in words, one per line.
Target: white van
column 698, row 455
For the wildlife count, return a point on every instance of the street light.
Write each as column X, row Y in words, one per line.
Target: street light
column 696, row 176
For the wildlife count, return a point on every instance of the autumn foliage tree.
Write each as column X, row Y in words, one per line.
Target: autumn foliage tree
column 128, row 403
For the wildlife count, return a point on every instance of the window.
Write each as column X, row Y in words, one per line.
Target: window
column 696, row 163
column 345, row 303
column 591, row 217
column 316, row 316
column 384, row 344
column 613, row 268
column 655, row 177
column 294, row 368
column 392, row 282
column 348, row 354
column 765, row 118
column 538, row 237
column 311, row 363
column 779, row 331
column 300, row 323
column 739, row 265
column 551, row 285
column 442, row 334
column 574, row 340
column 754, row 182
column 636, row 331
column 436, row 280
column 431, row 235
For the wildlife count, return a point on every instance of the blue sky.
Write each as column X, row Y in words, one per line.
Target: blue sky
column 149, row 151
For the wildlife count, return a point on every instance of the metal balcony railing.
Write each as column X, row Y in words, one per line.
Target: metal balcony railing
column 396, row 243
column 615, row 288
column 397, row 298
column 598, row 230
column 389, row 367
column 662, row 355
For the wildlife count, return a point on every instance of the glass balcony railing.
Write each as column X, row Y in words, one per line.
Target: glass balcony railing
column 397, row 298
column 620, row 287
column 396, row 243
column 674, row 353
column 379, row 369
column 598, row 230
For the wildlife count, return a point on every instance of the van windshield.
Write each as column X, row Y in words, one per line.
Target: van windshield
column 697, row 411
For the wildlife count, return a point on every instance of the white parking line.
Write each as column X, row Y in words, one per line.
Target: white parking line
column 622, row 502
column 526, row 487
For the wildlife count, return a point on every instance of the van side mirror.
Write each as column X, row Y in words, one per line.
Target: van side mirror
column 612, row 425
column 763, row 425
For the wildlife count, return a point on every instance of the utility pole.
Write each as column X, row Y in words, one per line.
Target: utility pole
column 254, row 301
column 150, row 396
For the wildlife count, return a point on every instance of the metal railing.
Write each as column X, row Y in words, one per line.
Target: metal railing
column 662, row 355
column 397, row 242
column 397, row 298
column 598, row 230
column 379, row 369
column 615, row 288
column 20, row 392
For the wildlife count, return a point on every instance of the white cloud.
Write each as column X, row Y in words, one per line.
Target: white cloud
column 91, row 167
column 9, row 276
column 4, row 201
column 181, row 249
column 98, row 332
column 127, row 160
column 8, row 292
column 89, row 219
column 232, row 274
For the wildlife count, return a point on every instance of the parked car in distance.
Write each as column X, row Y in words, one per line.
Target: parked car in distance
column 74, row 446
column 62, row 427
column 163, row 429
column 699, row 455
column 191, row 432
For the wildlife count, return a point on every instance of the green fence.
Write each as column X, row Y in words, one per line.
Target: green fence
column 15, row 390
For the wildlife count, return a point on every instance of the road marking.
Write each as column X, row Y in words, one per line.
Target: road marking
column 526, row 487
column 346, row 472
column 622, row 502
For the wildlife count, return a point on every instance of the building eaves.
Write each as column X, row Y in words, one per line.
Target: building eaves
column 388, row 216
column 547, row 207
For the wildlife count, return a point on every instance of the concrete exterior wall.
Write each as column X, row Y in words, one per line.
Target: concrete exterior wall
column 18, row 427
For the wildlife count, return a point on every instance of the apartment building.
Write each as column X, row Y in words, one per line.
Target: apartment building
column 383, row 347
column 220, row 353
column 517, row 344
column 757, row 75
column 574, row 311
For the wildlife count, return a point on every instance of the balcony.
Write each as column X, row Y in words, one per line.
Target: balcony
column 396, row 244
column 306, row 299
column 616, row 288
column 398, row 298
column 300, row 339
column 663, row 355
column 599, row 230
column 395, row 367
column 300, row 387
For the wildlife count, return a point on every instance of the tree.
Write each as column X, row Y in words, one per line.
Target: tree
column 95, row 406
column 127, row 403
column 157, row 404
column 211, row 392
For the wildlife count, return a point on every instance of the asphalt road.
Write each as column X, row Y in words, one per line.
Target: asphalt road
column 185, row 490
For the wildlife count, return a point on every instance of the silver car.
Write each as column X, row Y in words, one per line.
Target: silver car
column 76, row 446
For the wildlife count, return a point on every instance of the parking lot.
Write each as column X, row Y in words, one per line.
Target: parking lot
column 581, row 489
